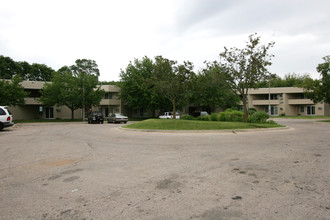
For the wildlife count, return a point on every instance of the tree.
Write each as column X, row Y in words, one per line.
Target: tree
column 87, row 72
column 245, row 67
column 39, row 72
column 137, row 88
column 319, row 90
column 74, row 87
column 289, row 80
column 11, row 92
column 35, row 72
column 211, row 88
column 8, row 68
column 173, row 81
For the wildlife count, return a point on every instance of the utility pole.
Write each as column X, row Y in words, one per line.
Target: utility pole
column 83, row 96
column 269, row 107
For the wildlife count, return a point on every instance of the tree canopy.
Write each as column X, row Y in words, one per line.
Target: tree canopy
column 289, row 80
column 211, row 89
column 319, row 90
column 35, row 72
column 245, row 67
column 74, row 86
column 173, row 81
column 11, row 92
column 137, row 88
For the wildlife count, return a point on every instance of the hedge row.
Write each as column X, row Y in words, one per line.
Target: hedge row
column 231, row 115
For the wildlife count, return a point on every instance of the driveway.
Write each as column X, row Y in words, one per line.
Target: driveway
column 82, row 171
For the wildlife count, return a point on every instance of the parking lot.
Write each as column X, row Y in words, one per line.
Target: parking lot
column 99, row 171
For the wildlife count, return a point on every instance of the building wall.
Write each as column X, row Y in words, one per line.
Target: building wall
column 290, row 101
column 31, row 109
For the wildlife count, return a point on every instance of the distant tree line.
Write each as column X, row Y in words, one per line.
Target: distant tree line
column 32, row 72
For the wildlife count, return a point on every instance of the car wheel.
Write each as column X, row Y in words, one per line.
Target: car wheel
column 1, row 126
column 125, row 122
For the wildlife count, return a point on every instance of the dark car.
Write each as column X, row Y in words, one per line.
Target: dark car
column 117, row 118
column 96, row 118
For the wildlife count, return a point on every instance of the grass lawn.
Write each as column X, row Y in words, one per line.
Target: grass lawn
column 166, row 124
column 324, row 121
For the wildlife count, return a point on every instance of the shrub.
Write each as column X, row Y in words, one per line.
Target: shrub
column 222, row 116
column 204, row 118
column 187, row 117
column 231, row 115
column 258, row 117
column 251, row 111
column 272, row 122
column 214, row 117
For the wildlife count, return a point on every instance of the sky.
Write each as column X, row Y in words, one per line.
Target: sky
column 113, row 33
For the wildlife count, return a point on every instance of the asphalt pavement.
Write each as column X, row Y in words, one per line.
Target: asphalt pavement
column 99, row 171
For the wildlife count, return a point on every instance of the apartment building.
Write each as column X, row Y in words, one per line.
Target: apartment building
column 289, row 101
column 33, row 108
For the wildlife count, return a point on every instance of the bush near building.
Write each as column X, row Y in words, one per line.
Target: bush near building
column 230, row 115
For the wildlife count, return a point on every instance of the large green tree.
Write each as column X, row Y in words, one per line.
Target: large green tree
column 137, row 88
column 173, row 81
column 8, row 68
column 211, row 88
column 74, row 87
column 11, row 92
column 35, row 72
column 319, row 90
column 245, row 67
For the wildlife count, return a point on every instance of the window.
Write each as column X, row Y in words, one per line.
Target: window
column 302, row 109
column 310, row 110
column 273, row 110
column 49, row 113
column 108, row 95
column 272, row 96
column 2, row 112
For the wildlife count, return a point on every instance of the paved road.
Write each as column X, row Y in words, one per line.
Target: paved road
column 82, row 171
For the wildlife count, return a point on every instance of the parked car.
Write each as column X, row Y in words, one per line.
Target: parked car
column 95, row 118
column 169, row 115
column 199, row 113
column 6, row 119
column 117, row 118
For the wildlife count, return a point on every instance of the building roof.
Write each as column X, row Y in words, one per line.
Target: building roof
column 40, row 85
column 277, row 90
column 33, row 84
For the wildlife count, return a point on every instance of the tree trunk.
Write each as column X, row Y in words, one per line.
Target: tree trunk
column 174, row 108
column 245, row 109
column 72, row 114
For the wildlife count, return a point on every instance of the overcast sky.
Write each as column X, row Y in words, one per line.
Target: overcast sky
column 112, row 33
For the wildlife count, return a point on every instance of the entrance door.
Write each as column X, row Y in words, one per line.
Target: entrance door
column 49, row 113
column 310, row 110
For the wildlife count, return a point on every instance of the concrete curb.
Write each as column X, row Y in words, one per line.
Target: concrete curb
column 209, row 131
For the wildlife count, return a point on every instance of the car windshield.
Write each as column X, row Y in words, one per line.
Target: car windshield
column 120, row 114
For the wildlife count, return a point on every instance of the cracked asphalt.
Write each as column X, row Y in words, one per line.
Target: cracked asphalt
column 83, row 171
